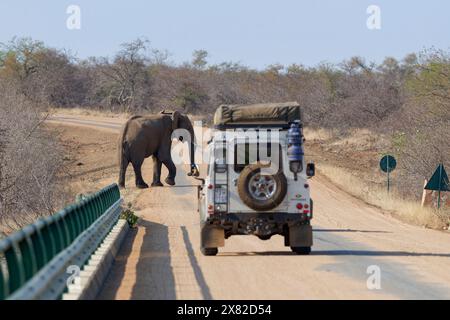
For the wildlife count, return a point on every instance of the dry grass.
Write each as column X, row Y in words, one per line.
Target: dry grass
column 317, row 134
column 89, row 112
column 360, row 139
column 85, row 112
column 405, row 210
column 357, row 139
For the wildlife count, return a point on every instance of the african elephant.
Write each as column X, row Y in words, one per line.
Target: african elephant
column 151, row 135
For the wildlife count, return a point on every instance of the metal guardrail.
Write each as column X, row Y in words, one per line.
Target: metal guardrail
column 34, row 260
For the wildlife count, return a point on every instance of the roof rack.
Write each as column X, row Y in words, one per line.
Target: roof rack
column 264, row 115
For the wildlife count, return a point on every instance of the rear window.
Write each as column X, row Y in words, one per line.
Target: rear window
column 246, row 153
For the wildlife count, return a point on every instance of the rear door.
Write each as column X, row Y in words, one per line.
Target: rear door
column 248, row 151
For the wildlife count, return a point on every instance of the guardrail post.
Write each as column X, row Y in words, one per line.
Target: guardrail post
column 39, row 245
column 49, row 241
column 15, row 267
column 3, row 281
column 28, row 254
column 56, row 231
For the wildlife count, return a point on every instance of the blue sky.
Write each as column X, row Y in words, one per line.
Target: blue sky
column 254, row 32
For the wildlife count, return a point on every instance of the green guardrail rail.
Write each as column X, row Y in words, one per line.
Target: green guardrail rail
column 27, row 251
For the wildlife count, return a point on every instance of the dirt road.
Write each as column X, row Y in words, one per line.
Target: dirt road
column 161, row 258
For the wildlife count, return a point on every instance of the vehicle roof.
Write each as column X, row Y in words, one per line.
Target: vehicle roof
column 257, row 115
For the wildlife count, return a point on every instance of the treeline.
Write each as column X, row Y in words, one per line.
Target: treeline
column 137, row 78
column 406, row 100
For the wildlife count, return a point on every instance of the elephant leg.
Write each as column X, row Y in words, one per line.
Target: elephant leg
column 140, row 183
column 157, row 164
column 123, row 169
column 170, row 180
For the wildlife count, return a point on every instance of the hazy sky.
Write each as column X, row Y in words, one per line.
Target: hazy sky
column 253, row 32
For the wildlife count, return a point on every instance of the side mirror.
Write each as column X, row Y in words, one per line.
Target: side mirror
column 310, row 170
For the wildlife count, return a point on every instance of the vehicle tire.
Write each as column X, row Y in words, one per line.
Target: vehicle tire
column 261, row 192
column 264, row 238
column 210, row 251
column 301, row 250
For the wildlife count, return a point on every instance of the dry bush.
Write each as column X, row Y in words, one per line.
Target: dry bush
column 422, row 138
column 46, row 76
column 122, row 83
column 408, row 211
column 30, row 161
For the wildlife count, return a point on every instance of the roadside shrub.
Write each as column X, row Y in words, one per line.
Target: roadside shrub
column 129, row 215
column 30, row 162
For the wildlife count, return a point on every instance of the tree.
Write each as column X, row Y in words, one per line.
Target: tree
column 20, row 57
column 44, row 75
column 426, row 118
column 389, row 65
column 356, row 64
column 199, row 59
column 125, row 79
column 431, row 83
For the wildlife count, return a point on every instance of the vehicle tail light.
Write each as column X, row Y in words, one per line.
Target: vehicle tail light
column 305, row 211
column 210, row 186
column 306, row 206
column 299, row 206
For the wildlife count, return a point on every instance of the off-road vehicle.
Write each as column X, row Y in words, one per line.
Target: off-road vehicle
column 256, row 182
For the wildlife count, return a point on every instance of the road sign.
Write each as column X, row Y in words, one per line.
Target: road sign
column 439, row 182
column 388, row 164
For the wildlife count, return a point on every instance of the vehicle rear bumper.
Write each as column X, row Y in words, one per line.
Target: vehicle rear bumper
column 279, row 217
column 259, row 224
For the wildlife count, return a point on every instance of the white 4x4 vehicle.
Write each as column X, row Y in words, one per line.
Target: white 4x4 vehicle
column 256, row 181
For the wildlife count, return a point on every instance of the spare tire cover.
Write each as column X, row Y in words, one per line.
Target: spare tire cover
column 261, row 192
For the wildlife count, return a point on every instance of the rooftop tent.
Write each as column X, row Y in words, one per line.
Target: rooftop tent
column 264, row 114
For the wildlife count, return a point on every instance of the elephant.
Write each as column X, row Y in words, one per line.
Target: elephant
column 151, row 135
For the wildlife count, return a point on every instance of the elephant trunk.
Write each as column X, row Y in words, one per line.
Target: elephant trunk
column 194, row 169
column 192, row 153
column 192, row 148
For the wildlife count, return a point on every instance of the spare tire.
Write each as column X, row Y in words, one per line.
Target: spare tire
column 261, row 192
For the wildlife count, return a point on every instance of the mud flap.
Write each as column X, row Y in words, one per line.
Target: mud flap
column 300, row 236
column 212, row 237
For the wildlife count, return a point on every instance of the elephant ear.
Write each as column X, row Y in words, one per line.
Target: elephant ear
column 175, row 120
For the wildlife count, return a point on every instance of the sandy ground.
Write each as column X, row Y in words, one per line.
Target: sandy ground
column 160, row 259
